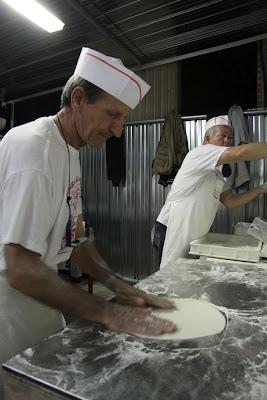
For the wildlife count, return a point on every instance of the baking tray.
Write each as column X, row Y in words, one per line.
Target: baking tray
column 232, row 247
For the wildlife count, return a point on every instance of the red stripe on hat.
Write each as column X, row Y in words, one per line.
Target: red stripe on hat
column 222, row 117
column 117, row 69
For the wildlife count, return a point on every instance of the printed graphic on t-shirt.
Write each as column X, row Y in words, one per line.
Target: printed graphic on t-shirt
column 217, row 190
column 75, row 199
column 216, row 194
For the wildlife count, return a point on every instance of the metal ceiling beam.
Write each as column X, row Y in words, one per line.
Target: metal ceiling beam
column 30, row 63
column 234, row 23
column 203, row 52
column 140, row 15
column 158, row 63
column 180, row 13
column 102, row 29
column 206, row 32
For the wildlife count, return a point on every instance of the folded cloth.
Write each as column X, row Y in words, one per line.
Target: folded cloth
column 240, row 171
column 116, row 160
column 172, row 147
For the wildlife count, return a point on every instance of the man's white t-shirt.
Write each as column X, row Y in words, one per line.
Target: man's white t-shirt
column 34, row 181
column 193, row 201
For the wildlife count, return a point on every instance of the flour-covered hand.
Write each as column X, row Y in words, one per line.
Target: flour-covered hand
column 127, row 294
column 263, row 187
column 137, row 320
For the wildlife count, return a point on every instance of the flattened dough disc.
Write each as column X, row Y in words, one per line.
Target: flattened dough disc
column 194, row 319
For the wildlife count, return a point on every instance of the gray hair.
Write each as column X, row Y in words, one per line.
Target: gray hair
column 92, row 92
column 210, row 132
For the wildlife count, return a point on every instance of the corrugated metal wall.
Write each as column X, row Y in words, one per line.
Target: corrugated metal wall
column 226, row 219
column 164, row 94
column 123, row 216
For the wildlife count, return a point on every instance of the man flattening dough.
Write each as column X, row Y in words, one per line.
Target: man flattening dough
column 40, row 206
column 195, row 319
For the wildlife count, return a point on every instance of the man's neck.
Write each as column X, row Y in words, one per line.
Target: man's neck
column 69, row 134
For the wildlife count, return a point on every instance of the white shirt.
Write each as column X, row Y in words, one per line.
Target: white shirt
column 34, row 181
column 193, row 201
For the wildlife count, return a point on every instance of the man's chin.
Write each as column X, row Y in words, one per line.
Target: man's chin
column 97, row 144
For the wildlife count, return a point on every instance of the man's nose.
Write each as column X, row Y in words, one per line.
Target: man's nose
column 116, row 129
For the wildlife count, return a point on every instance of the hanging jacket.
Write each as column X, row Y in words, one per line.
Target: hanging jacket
column 115, row 158
column 171, row 150
column 240, row 171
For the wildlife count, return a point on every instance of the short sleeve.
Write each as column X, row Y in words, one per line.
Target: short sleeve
column 227, row 186
column 204, row 158
column 27, row 210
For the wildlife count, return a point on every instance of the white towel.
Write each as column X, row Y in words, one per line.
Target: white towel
column 240, row 171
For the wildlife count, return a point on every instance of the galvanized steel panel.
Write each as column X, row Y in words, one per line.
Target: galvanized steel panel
column 123, row 216
column 141, row 33
column 164, row 94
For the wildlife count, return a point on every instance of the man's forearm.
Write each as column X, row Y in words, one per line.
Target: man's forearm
column 88, row 258
column 233, row 201
column 33, row 278
column 244, row 152
column 29, row 275
column 253, row 151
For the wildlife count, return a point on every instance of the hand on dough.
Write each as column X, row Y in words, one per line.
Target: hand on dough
column 138, row 320
column 127, row 294
column 263, row 187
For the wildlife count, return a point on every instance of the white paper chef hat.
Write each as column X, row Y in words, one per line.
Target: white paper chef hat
column 109, row 74
column 220, row 120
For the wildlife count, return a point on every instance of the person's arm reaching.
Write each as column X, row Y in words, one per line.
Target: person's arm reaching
column 28, row 274
column 230, row 200
column 244, row 152
column 88, row 258
column 93, row 251
column 90, row 261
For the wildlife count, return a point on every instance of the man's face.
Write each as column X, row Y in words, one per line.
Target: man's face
column 222, row 136
column 95, row 123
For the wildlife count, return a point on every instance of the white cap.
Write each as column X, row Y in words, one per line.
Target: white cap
column 220, row 120
column 110, row 75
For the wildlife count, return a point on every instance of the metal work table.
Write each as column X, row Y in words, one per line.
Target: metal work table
column 87, row 361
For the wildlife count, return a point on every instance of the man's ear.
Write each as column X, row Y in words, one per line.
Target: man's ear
column 77, row 96
column 206, row 139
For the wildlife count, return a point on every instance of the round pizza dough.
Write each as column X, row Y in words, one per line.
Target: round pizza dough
column 194, row 319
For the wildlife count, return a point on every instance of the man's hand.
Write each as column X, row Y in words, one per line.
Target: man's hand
column 28, row 274
column 263, row 188
column 90, row 261
column 127, row 294
column 138, row 320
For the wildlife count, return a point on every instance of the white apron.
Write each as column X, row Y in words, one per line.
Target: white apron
column 23, row 322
